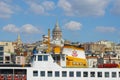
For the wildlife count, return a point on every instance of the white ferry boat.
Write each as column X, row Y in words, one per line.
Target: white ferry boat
column 62, row 63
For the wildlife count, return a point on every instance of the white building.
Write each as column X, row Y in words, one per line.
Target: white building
column 108, row 44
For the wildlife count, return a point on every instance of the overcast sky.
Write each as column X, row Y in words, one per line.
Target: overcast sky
column 80, row 20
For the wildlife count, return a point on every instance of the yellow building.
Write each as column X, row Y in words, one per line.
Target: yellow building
column 8, row 47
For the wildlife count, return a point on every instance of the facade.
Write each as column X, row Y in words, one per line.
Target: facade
column 7, row 58
column 4, row 57
column 8, row 47
column 20, row 60
column 94, row 48
column 108, row 44
column 117, row 49
column 92, row 61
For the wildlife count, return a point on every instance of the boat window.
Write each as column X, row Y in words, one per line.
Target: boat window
column 57, row 74
column 1, row 48
column 92, row 74
column 85, row 74
column 1, row 58
column 39, row 57
column 99, row 74
column 45, row 57
column 42, row 73
column 35, row 73
column 106, row 74
column 63, row 58
column 1, row 53
column 114, row 74
column 71, row 74
column 49, row 73
column 64, row 74
column 78, row 74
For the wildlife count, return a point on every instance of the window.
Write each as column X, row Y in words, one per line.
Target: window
column 6, row 44
column 40, row 58
column 1, row 62
column 42, row 73
column 1, row 48
column 63, row 58
column 113, row 74
column 35, row 73
column 78, row 74
column 64, row 74
column 45, row 57
column 85, row 74
column 106, row 74
column 1, row 58
column 57, row 74
column 92, row 74
column 99, row 74
column 71, row 74
column 49, row 73
column 1, row 53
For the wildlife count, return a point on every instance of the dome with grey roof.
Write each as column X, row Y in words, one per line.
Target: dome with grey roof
column 56, row 28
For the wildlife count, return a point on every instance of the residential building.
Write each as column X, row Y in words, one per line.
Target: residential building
column 8, row 47
column 94, row 48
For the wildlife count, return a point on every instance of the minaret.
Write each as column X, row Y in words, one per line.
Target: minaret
column 19, row 40
column 57, row 33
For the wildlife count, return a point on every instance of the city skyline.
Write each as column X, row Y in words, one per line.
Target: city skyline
column 79, row 20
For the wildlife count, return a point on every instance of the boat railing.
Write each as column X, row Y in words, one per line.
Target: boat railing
column 13, row 77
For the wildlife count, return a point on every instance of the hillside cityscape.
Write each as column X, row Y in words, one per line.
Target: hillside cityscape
column 20, row 53
column 60, row 39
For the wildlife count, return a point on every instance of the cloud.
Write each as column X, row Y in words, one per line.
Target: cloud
column 30, row 29
column 27, row 28
column 116, row 7
column 65, row 5
column 73, row 25
column 8, row 8
column 40, row 7
column 48, row 5
column 105, row 29
column 5, row 10
column 83, row 7
column 36, row 8
column 11, row 28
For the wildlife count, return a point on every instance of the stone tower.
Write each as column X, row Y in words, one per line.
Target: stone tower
column 56, row 33
column 19, row 40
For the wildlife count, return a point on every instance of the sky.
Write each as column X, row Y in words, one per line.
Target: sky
column 79, row 20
